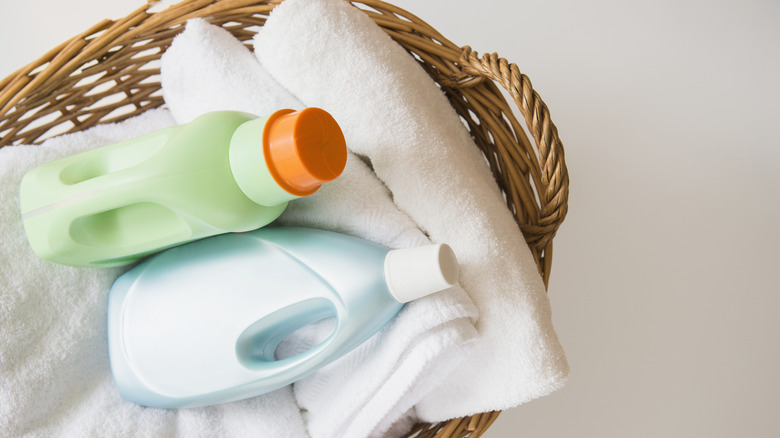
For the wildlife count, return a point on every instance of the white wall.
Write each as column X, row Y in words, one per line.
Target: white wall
column 664, row 284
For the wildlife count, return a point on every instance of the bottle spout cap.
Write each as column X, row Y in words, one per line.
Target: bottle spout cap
column 413, row 273
column 304, row 149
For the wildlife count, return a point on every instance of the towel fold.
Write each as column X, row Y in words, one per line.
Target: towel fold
column 54, row 367
column 376, row 385
column 330, row 55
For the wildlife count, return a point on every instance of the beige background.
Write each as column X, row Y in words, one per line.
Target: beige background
column 665, row 277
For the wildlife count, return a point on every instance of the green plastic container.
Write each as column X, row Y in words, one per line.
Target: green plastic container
column 225, row 171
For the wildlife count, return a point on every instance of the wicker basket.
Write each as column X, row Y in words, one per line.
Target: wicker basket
column 111, row 72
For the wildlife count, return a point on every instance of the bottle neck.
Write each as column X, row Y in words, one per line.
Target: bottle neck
column 249, row 163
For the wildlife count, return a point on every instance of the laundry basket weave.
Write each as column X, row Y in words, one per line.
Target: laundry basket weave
column 111, row 72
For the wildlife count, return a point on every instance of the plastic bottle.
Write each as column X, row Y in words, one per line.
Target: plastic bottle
column 225, row 171
column 199, row 324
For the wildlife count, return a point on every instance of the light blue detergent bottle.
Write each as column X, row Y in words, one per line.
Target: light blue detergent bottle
column 199, row 324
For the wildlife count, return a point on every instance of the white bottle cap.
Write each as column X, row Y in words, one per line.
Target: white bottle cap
column 413, row 273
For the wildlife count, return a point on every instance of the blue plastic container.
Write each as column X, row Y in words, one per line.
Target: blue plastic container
column 199, row 324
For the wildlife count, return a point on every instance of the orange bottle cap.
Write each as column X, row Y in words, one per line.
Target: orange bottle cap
column 304, row 149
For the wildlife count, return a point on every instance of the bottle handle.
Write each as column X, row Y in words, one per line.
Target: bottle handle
column 256, row 346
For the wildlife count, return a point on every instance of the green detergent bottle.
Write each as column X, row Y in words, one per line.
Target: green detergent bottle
column 225, row 171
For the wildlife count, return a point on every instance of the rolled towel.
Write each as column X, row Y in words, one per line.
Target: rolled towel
column 190, row 90
column 329, row 54
column 54, row 367
column 374, row 387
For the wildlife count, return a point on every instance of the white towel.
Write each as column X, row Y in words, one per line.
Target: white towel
column 330, row 55
column 376, row 385
column 191, row 88
column 54, row 367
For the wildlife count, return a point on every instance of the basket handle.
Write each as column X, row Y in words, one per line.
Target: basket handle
column 553, row 184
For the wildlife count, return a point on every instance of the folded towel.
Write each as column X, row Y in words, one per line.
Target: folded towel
column 375, row 386
column 329, row 54
column 54, row 367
